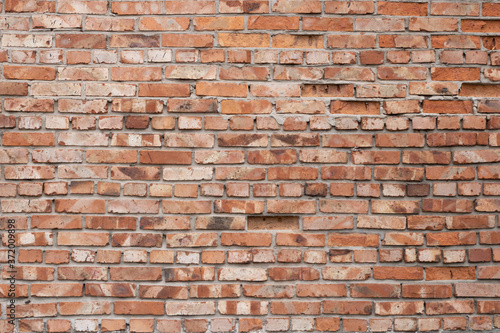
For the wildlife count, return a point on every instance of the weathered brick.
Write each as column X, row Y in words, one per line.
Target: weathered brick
column 242, row 92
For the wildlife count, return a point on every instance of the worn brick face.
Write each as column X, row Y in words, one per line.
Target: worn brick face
column 250, row 165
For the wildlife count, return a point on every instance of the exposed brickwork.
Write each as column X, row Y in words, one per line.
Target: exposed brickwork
column 239, row 166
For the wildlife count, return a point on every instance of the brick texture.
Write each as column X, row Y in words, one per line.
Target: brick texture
column 239, row 166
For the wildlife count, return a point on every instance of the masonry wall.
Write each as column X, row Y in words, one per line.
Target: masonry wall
column 241, row 166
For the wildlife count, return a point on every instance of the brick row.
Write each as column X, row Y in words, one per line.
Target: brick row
column 275, row 324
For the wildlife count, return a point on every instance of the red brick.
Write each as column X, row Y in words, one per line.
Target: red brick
column 29, row 73
column 160, row 23
column 399, row 140
column 245, row 107
column 243, row 39
column 295, row 307
column 402, row 8
column 136, row 74
column 450, row 273
column 401, row 273
column 134, row 40
column 356, row 41
column 163, row 89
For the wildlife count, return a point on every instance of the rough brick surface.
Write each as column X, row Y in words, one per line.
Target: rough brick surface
column 251, row 166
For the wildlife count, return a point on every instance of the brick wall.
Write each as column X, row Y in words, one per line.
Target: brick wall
column 236, row 166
